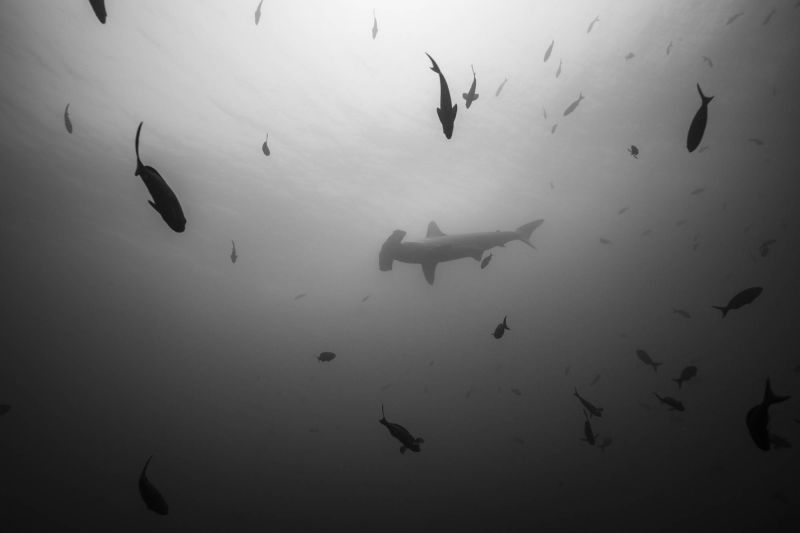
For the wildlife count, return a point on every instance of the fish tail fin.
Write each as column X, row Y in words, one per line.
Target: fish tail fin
column 146, row 464
column 526, row 230
column 656, row 365
column 138, row 160
column 770, row 397
column 704, row 98
column 505, row 323
column 435, row 67
column 723, row 309
column 679, row 381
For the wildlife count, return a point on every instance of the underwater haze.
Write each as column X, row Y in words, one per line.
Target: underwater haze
column 307, row 133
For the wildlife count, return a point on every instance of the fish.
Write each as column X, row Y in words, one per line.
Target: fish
column 757, row 142
column 264, row 147
column 325, row 357
column 67, row 121
column 645, row 358
column 674, row 405
column 4, row 408
column 365, row 298
column 708, row 61
column 698, row 126
column 402, row 434
column 438, row 247
column 234, row 257
column 778, row 442
column 733, row 18
column 591, row 24
column 758, row 417
column 764, row 247
column 741, row 299
column 622, row 210
column 517, row 392
column 447, row 114
column 374, row 25
column 485, row 261
column 669, row 48
column 605, row 444
column 553, row 129
column 301, row 295
column 471, row 96
column 152, row 498
column 571, row 107
column 604, row 240
column 500, row 87
column 549, row 51
column 595, row 380
column 634, row 151
column 588, row 435
column 164, row 200
column 699, row 190
column 768, row 17
column 501, row 328
column 594, row 411
column 683, row 313
column 686, row 374
column 544, row 113
column 99, row 8
column 258, row 12
column 630, row 56
column 558, row 71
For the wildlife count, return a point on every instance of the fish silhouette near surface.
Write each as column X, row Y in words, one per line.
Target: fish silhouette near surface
column 485, row 261
column 501, row 328
column 758, row 417
column 603, row 240
column 500, row 87
column 686, row 374
column 571, row 107
column 326, row 357
column 591, row 24
column 402, row 434
column 549, row 51
column 567, row 369
column 438, row 247
column 152, row 498
column 741, row 299
column 164, row 200
column 4, row 408
column 674, row 405
column 516, row 392
column 544, row 113
column 374, row 25
column 733, row 18
column 634, row 151
column 588, row 435
column 594, row 411
column 447, row 114
column 645, row 358
column 258, row 12
column 234, row 256
column 67, row 121
column 99, row 8
column 682, row 312
column 698, row 125
column 264, row 147
column 471, row 96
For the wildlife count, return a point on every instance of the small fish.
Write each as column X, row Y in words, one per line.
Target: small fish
column 634, row 151
column 669, row 48
column 674, row 405
column 686, row 374
column 604, row 240
column 301, row 295
column 544, row 113
column 645, row 358
column 699, row 190
column 573, row 105
column 768, row 17
column 588, row 435
column 558, row 71
column 500, row 87
column 630, row 56
column 698, row 125
column 733, row 18
column 325, row 357
column 553, row 129
column 152, row 498
column 764, row 247
column 374, row 25
column 681, row 312
column 591, row 24
column 758, row 418
column 501, row 328
column 517, row 392
column 595, row 380
column 99, row 8
column 605, row 444
column 164, row 200
column 4, row 408
column 365, row 298
column 402, row 434
column 264, row 147
column 756, row 141
column 549, row 51
column 741, row 299
column 471, row 96
column 594, row 411
column 258, row 12
column 447, row 114
column 778, row 442
column 622, row 210
column 485, row 261
column 67, row 121
column 234, row 257
column 708, row 61
column 552, row 185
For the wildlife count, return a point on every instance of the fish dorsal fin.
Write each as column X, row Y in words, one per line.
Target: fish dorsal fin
column 434, row 231
column 429, row 269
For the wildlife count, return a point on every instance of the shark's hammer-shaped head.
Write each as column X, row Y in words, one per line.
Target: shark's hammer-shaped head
column 386, row 256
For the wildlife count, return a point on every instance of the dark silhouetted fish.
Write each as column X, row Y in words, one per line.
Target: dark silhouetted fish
column 301, row 295
column 588, row 435
column 764, row 247
column 4, row 408
column 686, row 374
column 698, row 126
column 778, row 442
column 757, row 142
column 485, row 261
column 326, row 357
column 164, row 200
column 634, row 151
column 591, row 24
column 741, row 299
column 622, row 210
column 400, row 433
column 264, row 147
column 645, row 358
column 67, row 121
column 152, row 498
column 553, row 129
column 699, row 190
column 447, row 114
column 501, row 328
column 558, row 70
column 471, row 96
column 365, row 298
column 594, row 411
column 733, row 18
column 681, row 312
column 374, row 25
column 549, row 51
column 500, row 87
column 99, row 7
column 674, row 405
column 517, row 392
column 768, row 17
column 234, row 257
column 669, row 48
column 758, row 417
column 708, row 61
column 605, row 443
column 595, row 380
column 571, row 107
column 604, row 240
column 630, row 56
column 258, row 12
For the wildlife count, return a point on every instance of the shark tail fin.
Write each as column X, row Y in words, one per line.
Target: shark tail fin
column 435, row 67
column 704, row 98
column 386, row 255
column 138, row 161
column 526, row 230
column 723, row 309
column 770, row 397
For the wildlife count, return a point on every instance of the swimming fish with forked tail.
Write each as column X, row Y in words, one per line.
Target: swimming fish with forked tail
column 402, row 434
column 594, row 411
column 686, row 374
column 164, row 200
column 698, row 125
column 645, row 358
column 446, row 113
column 501, row 328
column 741, row 299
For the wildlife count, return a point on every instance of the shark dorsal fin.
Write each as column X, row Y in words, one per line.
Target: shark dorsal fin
column 434, row 231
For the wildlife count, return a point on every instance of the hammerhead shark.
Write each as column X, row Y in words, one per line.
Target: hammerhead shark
column 438, row 247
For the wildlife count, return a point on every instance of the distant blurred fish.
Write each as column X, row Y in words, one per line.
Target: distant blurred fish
column 594, row 411
column 698, row 125
column 67, row 121
column 605, row 444
column 768, row 17
column 501, row 328
column 764, row 247
column 630, row 56
column 669, row 48
column 258, row 12
column 264, row 147
column 567, row 369
column 645, row 358
column 447, row 114
column 733, row 18
column 558, row 71
column 591, row 24
column 741, row 299
column 326, row 357
column 164, row 200
column 681, row 312
column 402, row 434
column 588, row 435
column 374, row 25
column 544, row 113
column 234, row 257
column 301, row 295
column 152, row 498
column 500, row 87
column 549, row 51
column 603, row 240
column 4, row 408
column 674, row 405
column 708, row 61
column 595, row 380
column 471, row 96
column 365, row 298
column 686, row 374
column 517, row 392
column 699, row 190
column 622, row 210
column 99, row 7
column 634, row 151
column 758, row 417
column 553, row 129
column 756, row 141
column 573, row 105
column 485, row 261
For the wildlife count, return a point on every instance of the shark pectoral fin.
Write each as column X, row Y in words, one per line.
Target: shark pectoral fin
column 476, row 96
column 153, row 205
column 455, row 110
column 476, row 254
column 402, row 449
column 439, row 112
column 429, row 269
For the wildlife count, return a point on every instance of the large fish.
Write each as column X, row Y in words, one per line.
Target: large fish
column 397, row 431
column 152, row 498
column 447, row 114
column 164, row 200
column 741, row 299
column 758, row 417
column 698, row 126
